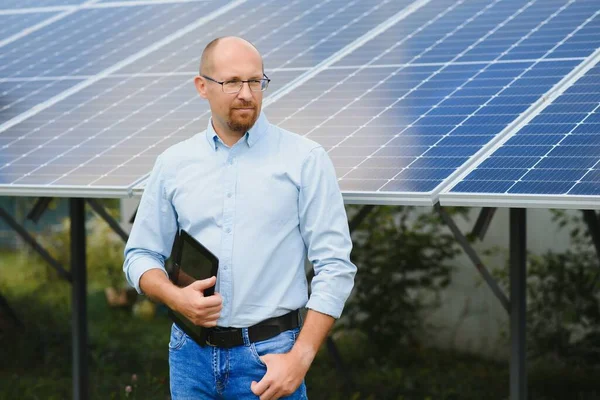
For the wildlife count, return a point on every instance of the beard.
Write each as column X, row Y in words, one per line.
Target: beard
column 238, row 122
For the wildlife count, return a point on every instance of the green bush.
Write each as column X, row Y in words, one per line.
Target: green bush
column 563, row 299
column 403, row 257
column 104, row 251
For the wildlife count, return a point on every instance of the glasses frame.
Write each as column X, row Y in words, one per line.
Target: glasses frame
column 222, row 83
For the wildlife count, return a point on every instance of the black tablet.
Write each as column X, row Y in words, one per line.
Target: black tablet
column 192, row 261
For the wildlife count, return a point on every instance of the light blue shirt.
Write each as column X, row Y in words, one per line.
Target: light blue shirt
column 262, row 207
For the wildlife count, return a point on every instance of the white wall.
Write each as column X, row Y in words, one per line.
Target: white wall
column 471, row 317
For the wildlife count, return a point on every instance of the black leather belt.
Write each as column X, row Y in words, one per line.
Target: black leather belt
column 231, row 337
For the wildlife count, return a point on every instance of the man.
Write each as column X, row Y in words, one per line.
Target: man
column 262, row 200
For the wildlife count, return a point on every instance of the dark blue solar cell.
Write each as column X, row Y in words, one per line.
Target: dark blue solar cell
column 533, row 140
column 593, row 118
column 458, row 110
column 587, row 128
column 581, row 140
column 501, row 110
column 439, row 163
column 592, row 176
column 546, row 129
column 522, row 151
column 535, row 187
column 567, row 163
column 468, row 129
column 482, row 186
column 452, row 151
column 477, row 91
column 525, row 90
column 586, row 188
column 556, row 175
column 570, row 108
column 441, row 120
column 471, row 140
column 575, row 151
column 556, row 118
column 464, row 101
column 539, row 81
column 508, row 162
column 490, row 120
column 593, row 98
column 496, row 174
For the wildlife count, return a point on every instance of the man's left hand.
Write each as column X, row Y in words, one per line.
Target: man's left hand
column 285, row 373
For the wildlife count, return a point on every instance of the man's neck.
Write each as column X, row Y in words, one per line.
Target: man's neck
column 228, row 136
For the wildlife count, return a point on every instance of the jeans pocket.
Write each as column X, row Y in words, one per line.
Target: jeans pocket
column 279, row 344
column 177, row 339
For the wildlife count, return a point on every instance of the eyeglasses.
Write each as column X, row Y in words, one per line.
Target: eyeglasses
column 234, row 86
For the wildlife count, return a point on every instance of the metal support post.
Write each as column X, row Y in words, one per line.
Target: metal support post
column 101, row 211
column 518, row 304
column 593, row 223
column 39, row 208
column 483, row 222
column 36, row 246
column 78, row 300
column 468, row 249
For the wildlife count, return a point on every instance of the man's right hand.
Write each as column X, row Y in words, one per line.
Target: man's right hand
column 201, row 310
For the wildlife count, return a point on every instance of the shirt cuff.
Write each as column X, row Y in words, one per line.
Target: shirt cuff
column 139, row 267
column 325, row 304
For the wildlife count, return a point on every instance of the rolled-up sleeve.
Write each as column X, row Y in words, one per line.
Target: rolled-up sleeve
column 153, row 231
column 324, row 228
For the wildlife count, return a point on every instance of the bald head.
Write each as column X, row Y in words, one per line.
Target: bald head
column 222, row 48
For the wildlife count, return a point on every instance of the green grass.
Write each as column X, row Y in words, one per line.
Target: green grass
column 35, row 362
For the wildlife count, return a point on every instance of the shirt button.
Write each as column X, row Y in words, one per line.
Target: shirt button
column 227, row 230
column 229, row 195
column 231, row 161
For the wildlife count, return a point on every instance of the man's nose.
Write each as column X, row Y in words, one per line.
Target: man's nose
column 245, row 93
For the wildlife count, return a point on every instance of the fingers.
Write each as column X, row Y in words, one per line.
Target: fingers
column 211, row 301
column 204, row 284
column 269, row 394
column 260, row 387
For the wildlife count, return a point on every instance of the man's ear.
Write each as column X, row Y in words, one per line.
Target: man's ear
column 200, row 84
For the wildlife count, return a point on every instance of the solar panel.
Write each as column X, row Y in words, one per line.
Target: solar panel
column 11, row 24
column 401, row 103
column 511, row 21
column 298, row 34
column 90, row 40
column 21, row 4
column 18, row 96
column 396, row 132
column 107, row 135
column 553, row 161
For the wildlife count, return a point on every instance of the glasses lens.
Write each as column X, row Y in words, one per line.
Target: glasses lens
column 264, row 83
column 255, row 85
column 232, row 86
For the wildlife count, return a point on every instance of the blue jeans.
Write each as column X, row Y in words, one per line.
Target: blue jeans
column 217, row 373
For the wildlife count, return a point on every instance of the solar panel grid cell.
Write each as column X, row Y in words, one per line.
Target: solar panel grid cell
column 556, row 153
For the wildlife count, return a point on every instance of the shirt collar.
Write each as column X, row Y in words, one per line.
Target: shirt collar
column 253, row 135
